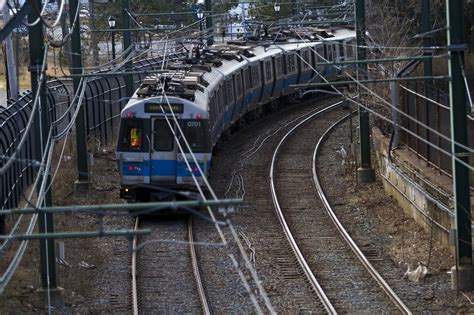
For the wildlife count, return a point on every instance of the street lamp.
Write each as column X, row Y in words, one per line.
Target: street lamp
column 112, row 26
column 277, row 8
column 200, row 15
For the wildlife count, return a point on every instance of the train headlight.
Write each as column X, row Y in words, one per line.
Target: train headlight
column 126, row 190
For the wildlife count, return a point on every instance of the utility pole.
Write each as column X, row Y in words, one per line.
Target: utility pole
column 462, row 275
column 82, row 182
column 209, row 22
column 66, row 51
column 428, row 64
column 113, row 46
column 95, row 48
column 366, row 173
column 11, row 67
column 41, row 131
column 294, row 7
column 127, row 42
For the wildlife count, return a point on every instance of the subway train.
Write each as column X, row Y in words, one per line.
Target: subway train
column 179, row 113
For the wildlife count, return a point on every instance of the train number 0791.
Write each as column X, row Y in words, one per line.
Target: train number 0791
column 194, row 124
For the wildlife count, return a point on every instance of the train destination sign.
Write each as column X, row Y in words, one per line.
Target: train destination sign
column 156, row 108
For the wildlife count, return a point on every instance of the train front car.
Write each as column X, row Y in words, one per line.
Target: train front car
column 160, row 139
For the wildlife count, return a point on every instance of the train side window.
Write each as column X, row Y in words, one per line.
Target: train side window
column 320, row 54
column 247, row 81
column 163, row 139
column 255, row 75
column 329, row 52
column 341, row 50
column 268, row 70
column 132, row 135
column 291, row 64
column 279, row 66
column 224, row 94
column 349, row 50
column 212, row 102
column 230, row 91
column 313, row 56
column 238, row 85
column 220, row 100
column 305, row 63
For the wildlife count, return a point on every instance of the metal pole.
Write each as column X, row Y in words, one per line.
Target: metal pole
column 395, row 118
column 462, row 274
column 127, row 42
column 17, row 58
column 82, row 182
column 428, row 64
column 11, row 68
column 94, row 41
column 113, row 47
column 36, row 45
column 209, row 22
column 293, row 7
column 200, row 31
column 366, row 172
column 152, row 206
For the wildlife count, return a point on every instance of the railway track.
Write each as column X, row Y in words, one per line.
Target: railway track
column 344, row 282
column 160, row 283
column 342, row 231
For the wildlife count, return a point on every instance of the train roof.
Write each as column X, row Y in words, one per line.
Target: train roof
column 194, row 78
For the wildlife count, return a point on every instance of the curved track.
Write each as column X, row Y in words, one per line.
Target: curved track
column 342, row 231
column 160, row 282
column 332, row 260
column 303, row 263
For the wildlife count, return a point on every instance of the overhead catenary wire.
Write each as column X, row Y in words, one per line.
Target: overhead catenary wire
column 222, row 237
column 219, row 230
column 388, row 104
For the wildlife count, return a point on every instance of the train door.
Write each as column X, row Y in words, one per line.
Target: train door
column 163, row 151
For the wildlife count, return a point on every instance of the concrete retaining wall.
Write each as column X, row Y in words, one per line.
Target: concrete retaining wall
column 426, row 202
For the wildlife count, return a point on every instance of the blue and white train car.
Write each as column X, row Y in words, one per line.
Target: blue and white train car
column 199, row 100
column 148, row 155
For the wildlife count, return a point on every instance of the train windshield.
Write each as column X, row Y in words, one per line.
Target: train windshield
column 195, row 132
column 163, row 136
column 132, row 135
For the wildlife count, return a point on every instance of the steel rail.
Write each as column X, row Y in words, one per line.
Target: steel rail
column 299, row 255
column 373, row 272
column 134, row 271
column 197, row 275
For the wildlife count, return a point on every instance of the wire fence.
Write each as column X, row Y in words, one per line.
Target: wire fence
column 104, row 98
